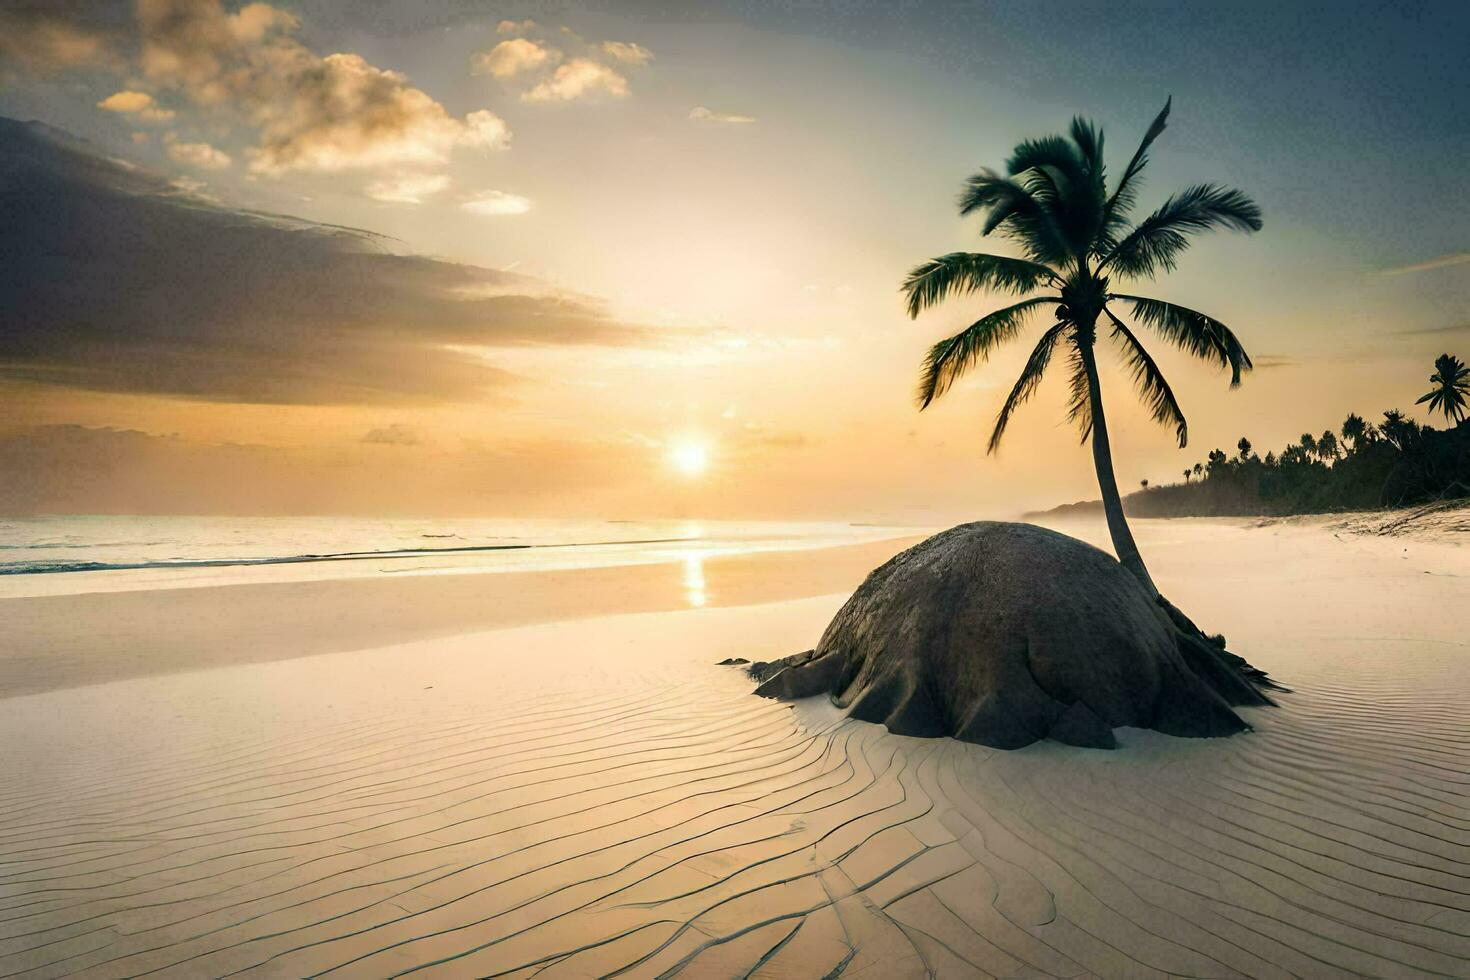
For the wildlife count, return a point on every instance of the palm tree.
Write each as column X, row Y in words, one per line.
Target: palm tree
column 1053, row 201
column 1327, row 446
column 1451, row 380
column 1244, row 445
column 1309, row 445
column 1187, row 472
column 1354, row 430
column 1399, row 430
column 1199, row 468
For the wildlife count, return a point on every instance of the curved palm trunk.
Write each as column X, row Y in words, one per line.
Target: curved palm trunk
column 1102, row 458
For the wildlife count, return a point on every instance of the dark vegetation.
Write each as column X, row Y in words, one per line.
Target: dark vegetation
column 1394, row 463
column 1362, row 466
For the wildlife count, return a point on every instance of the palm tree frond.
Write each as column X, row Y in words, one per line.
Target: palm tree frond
column 1124, row 195
column 1157, row 240
column 1026, row 384
column 968, row 272
column 1089, row 142
column 987, row 189
column 1049, row 151
column 1451, row 380
column 1079, row 395
column 1065, row 178
column 1198, row 334
column 1017, row 213
column 1150, row 382
column 953, row 356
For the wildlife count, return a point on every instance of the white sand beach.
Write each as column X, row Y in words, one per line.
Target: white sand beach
column 196, row 785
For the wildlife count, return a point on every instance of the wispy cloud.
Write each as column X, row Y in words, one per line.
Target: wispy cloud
column 702, row 114
column 579, row 78
column 627, row 52
column 1438, row 262
column 200, row 155
column 138, row 104
column 406, row 188
column 1453, row 328
column 514, row 57
column 101, row 470
column 497, row 203
column 396, row 434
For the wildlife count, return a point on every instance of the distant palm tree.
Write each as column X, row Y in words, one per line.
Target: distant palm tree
column 1398, row 429
column 1054, row 203
column 1327, row 446
column 1354, row 430
column 1244, row 445
column 1308, row 444
column 1199, row 468
column 1451, row 380
column 1187, row 471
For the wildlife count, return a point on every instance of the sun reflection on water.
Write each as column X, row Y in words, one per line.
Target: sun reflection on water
column 695, row 590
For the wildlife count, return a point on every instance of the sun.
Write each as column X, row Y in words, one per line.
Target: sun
column 689, row 458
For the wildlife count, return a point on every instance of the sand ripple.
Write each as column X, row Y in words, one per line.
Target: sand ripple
column 596, row 823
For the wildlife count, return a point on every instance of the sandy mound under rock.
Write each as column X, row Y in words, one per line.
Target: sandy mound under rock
column 1004, row 634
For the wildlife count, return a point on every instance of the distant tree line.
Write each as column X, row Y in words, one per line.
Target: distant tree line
column 1393, row 463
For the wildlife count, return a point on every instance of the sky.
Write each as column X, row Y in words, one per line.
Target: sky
column 639, row 259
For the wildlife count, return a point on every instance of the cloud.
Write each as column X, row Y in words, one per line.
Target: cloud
column 1453, row 328
column 406, row 188
column 74, row 469
column 510, row 58
column 497, row 203
column 115, row 280
column 627, row 52
column 312, row 113
column 80, row 469
column 396, row 434
column 47, row 36
column 1265, row 362
column 139, row 104
column 200, row 155
column 347, row 114
column 701, row 114
column 1439, row 262
column 577, row 79
column 515, row 26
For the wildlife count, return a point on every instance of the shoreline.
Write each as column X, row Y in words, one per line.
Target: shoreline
column 69, row 640
column 74, row 639
column 1088, row 510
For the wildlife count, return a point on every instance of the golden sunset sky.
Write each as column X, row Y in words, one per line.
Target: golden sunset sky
column 642, row 259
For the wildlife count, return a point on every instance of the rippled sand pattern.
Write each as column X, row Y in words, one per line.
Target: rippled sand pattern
column 661, row 822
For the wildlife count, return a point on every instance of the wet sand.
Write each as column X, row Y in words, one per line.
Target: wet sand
column 57, row 641
column 596, row 798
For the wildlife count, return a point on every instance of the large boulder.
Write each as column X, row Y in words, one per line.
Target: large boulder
column 1004, row 634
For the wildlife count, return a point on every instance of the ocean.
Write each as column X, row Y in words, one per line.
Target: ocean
column 73, row 554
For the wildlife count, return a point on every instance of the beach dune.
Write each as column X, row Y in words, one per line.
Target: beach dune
column 595, row 797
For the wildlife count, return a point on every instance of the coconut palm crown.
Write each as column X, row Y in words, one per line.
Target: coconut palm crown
column 1077, row 237
column 1451, row 380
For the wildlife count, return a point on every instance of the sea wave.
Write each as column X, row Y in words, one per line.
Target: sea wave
column 48, row 567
